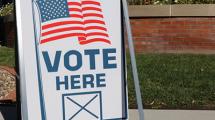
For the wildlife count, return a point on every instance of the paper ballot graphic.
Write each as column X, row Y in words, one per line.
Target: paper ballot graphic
column 77, row 108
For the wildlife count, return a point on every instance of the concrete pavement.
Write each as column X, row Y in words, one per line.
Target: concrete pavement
column 174, row 115
column 170, row 115
column 1, row 117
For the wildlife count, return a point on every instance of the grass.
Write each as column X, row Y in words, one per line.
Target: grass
column 174, row 81
column 7, row 57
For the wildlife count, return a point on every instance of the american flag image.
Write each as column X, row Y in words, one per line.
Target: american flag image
column 72, row 18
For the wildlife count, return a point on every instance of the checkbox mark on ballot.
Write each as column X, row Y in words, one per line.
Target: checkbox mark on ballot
column 79, row 106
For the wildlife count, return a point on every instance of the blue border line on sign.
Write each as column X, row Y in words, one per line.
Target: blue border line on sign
column 41, row 94
column 82, row 93
column 124, row 63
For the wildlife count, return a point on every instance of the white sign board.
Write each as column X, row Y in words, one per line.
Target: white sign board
column 71, row 57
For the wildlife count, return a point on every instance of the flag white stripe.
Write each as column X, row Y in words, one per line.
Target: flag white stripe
column 97, row 36
column 62, row 26
column 62, row 33
column 61, row 20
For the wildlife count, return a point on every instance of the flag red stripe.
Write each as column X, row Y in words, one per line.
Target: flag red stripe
column 95, row 40
column 96, row 33
column 93, row 15
column 91, row 8
column 95, row 27
column 76, row 15
column 90, row 2
column 60, row 23
column 75, row 10
column 94, row 21
column 62, row 30
column 61, row 37
column 78, row 28
column 74, row 3
column 81, row 38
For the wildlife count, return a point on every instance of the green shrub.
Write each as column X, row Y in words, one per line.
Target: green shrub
column 6, row 10
column 162, row 2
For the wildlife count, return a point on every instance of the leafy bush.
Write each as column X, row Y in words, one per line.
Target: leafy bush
column 148, row 2
column 161, row 2
column 6, row 10
column 194, row 1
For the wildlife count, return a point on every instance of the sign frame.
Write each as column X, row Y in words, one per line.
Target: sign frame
column 22, row 73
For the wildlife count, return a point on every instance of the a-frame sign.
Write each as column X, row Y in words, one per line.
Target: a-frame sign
column 72, row 60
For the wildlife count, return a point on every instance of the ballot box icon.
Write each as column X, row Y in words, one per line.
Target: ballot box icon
column 82, row 106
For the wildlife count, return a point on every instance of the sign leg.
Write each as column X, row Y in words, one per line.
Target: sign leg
column 133, row 60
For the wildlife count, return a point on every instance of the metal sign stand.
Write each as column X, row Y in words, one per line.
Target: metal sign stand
column 133, row 60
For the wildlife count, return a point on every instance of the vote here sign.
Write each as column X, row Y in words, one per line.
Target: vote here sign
column 71, row 59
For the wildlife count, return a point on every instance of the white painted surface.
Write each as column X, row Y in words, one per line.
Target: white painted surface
column 174, row 115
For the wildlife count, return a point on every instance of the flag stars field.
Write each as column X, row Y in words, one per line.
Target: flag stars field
column 51, row 8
